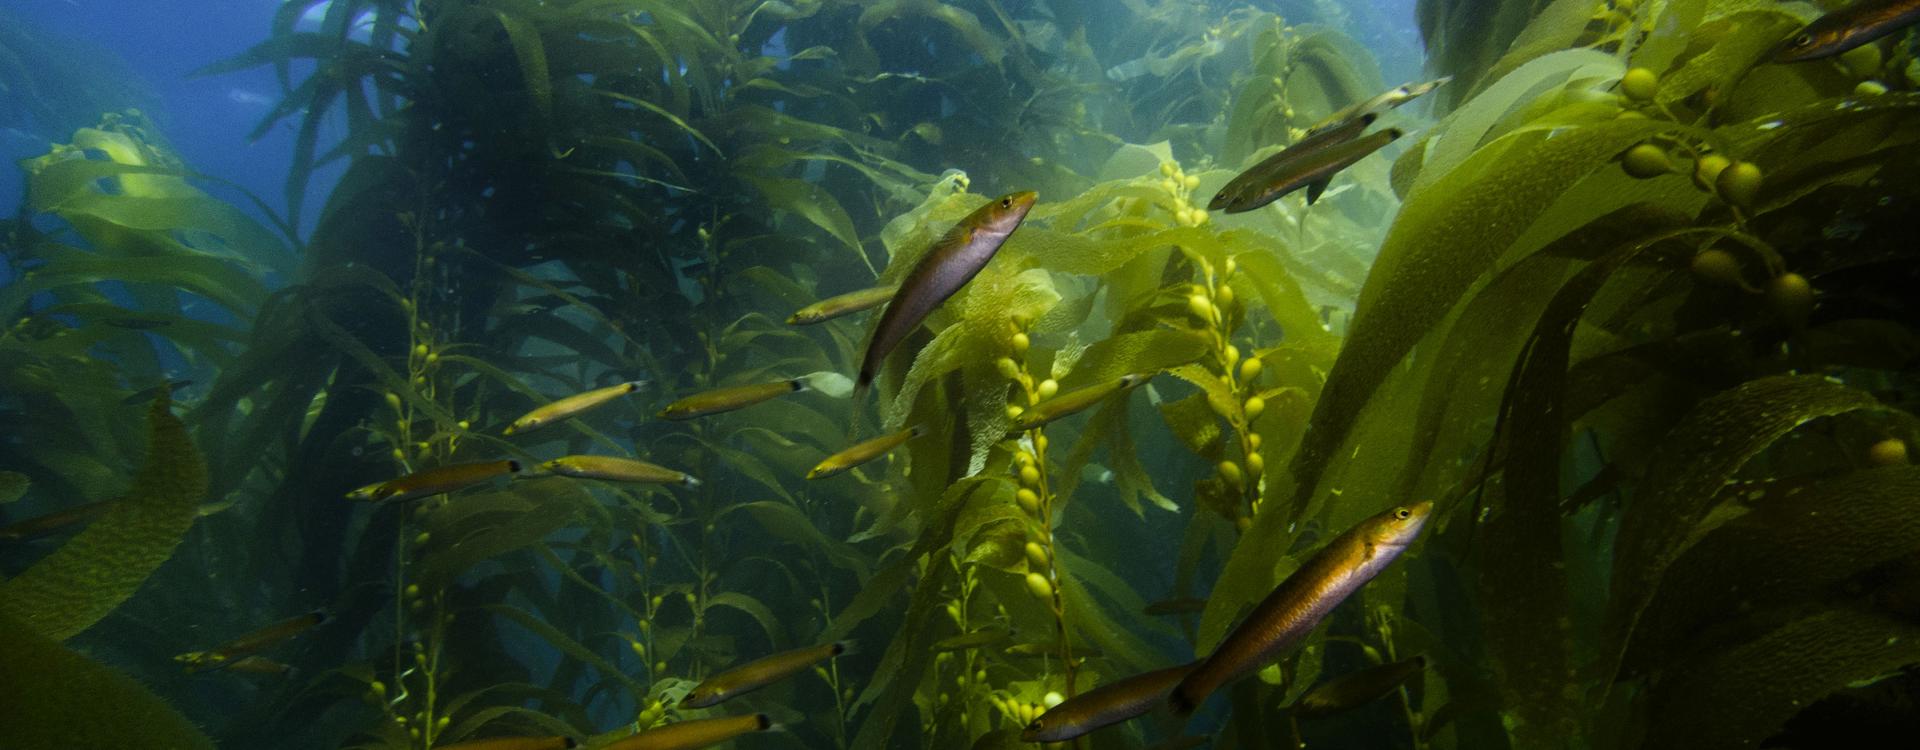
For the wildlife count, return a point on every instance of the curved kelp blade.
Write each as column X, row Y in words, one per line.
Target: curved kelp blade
column 72, row 701
column 103, row 565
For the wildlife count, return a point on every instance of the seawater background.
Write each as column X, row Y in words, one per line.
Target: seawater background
column 208, row 118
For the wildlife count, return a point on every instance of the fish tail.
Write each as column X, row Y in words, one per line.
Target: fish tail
column 798, row 384
column 764, row 723
column 845, row 646
column 689, row 481
column 634, row 385
column 513, row 466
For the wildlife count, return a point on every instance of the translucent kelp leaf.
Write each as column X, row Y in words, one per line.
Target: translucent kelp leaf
column 1523, row 571
column 1134, row 160
column 566, row 645
column 525, row 721
column 1697, row 457
column 787, row 522
column 1736, row 697
column 1098, row 619
column 753, row 608
column 54, row 697
column 532, row 54
column 13, row 486
column 477, row 526
column 964, row 23
column 1752, row 36
column 105, row 563
column 1836, row 529
column 1462, row 133
column 1447, row 235
column 1000, row 545
column 813, row 203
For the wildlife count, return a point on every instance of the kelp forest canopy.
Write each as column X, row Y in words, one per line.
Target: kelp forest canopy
column 1630, row 303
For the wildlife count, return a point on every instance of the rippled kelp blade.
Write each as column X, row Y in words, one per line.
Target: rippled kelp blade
column 103, row 565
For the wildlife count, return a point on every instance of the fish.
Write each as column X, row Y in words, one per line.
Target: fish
column 1181, row 606
column 977, row 638
column 148, row 394
column 1111, row 703
column 695, row 733
column 1299, row 603
column 435, row 481
column 228, row 653
column 758, row 673
column 1381, row 102
column 953, row 261
column 1357, row 689
column 572, row 406
column 1312, row 171
column 53, row 523
column 515, row 743
column 1249, row 182
column 617, row 469
column 1847, row 28
column 1073, row 402
column 863, row 452
column 1037, row 649
column 261, row 665
column 729, row 399
column 844, row 304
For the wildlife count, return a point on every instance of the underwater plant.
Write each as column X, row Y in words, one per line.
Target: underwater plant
column 1630, row 321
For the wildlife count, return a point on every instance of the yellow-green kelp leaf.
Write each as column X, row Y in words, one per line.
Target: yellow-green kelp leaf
column 104, row 564
column 532, row 53
column 1703, row 451
column 1737, row 696
column 1447, row 236
column 72, row 701
column 13, row 485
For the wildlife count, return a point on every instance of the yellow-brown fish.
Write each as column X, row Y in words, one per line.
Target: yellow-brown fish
column 1312, row 171
column 227, row 653
column 695, row 733
column 1847, row 28
column 1289, row 614
column 1111, row 703
column 435, row 481
column 617, row 469
column 260, row 665
column 55, row 522
column 1357, row 689
column 979, row 638
column 863, row 452
column 514, row 743
column 1073, row 402
column 844, row 304
column 572, row 406
column 729, row 398
column 953, row 261
column 1235, row 196
column 758, row 673
column 1381, row 102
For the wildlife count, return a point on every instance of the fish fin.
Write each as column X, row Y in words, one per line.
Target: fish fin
column 1314, row 189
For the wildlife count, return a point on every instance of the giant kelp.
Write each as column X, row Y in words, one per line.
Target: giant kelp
column 545, row 197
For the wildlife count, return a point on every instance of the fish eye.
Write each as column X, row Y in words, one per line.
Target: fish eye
column 1034, row 726
column 1803, row 40
column 1006, row 202
column 1403, row 514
